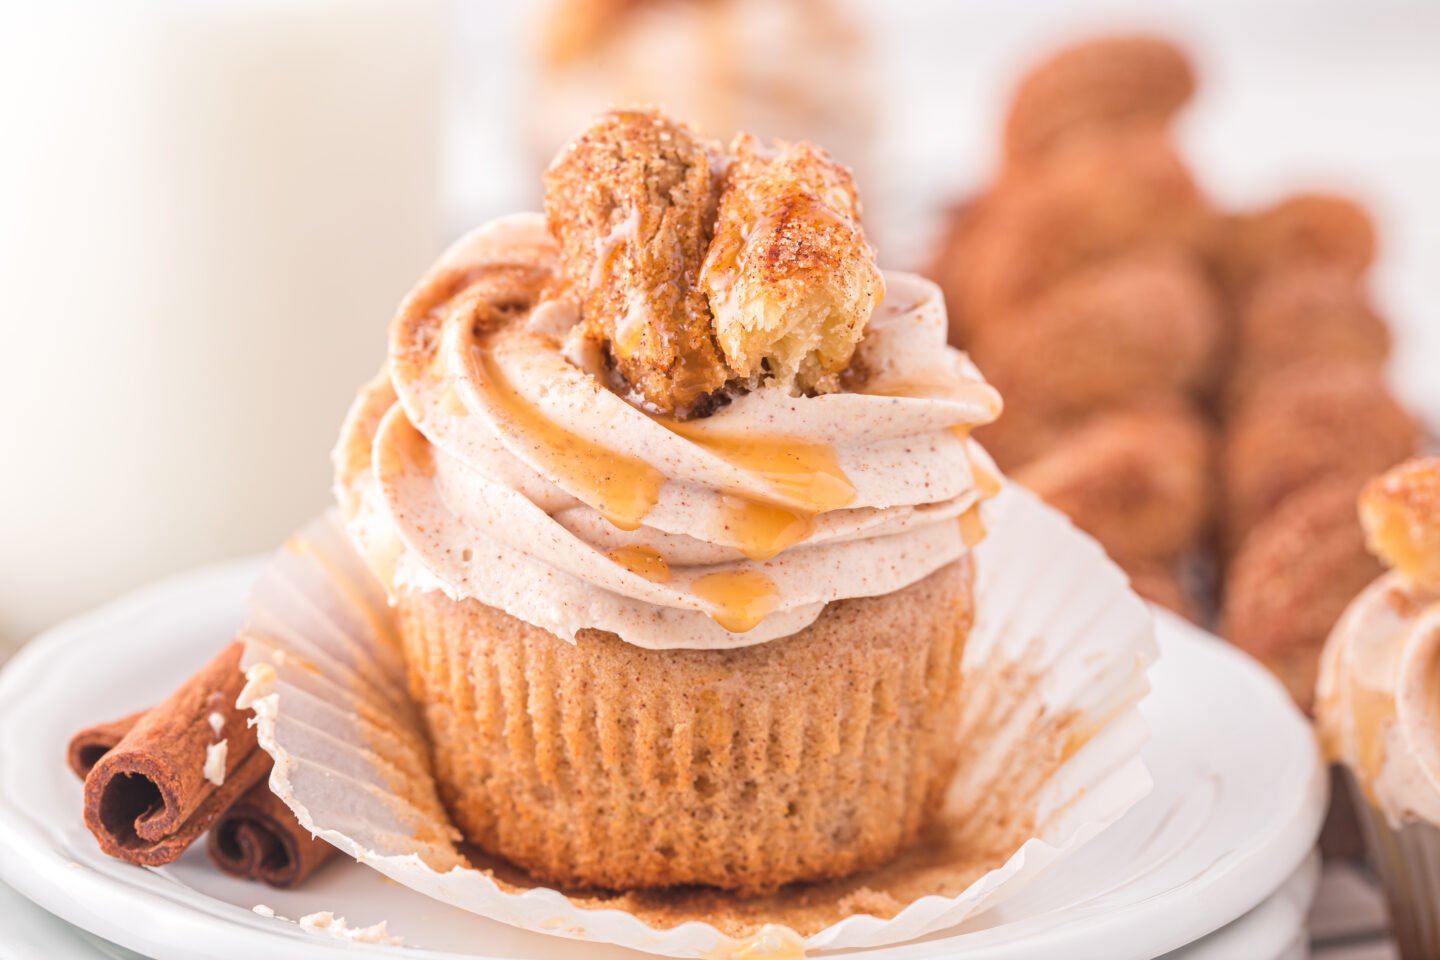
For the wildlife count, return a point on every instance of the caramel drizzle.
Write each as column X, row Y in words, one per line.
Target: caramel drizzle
column 644, row 561
column 1372, row 713
column 742, row 597
column 622, row 488
column 919, row 388
column 972, row 527
column 805, row 473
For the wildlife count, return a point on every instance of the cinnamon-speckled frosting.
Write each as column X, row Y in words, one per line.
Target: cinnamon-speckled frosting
column 494, row 461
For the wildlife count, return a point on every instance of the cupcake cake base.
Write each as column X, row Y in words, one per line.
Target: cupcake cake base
column 1048, row 751
column 604, row 765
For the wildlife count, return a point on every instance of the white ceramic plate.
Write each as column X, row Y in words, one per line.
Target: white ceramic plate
column 1278, row 929
column 1275, row 930
column 1238, row 799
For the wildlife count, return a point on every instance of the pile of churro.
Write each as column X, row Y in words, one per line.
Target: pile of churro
column 1202, row 390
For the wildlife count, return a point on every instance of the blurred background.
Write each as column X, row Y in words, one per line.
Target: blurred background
column 209, row 208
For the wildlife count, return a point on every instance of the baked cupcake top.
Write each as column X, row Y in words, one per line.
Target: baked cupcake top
column 670, row 409
column 1379, row 692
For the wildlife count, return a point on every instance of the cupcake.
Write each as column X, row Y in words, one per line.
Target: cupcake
column 1378, row 695
column 676, row 514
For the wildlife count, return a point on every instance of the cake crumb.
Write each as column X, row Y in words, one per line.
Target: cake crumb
column 215, row 762
column 337, row 927
column 259, row 681
column 263, row 910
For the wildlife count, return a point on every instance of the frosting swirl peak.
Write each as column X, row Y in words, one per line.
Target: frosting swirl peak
column 492, row 460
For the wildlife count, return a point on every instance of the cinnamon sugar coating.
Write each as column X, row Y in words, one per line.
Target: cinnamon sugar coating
column 632, row 203
column 1400, row 511
column 1293, row 576
column 1303, row 313
column 1138, row 481
column 790, row 276
column 1308, row 422
column 1095, row 195
column 695, row 279
column 605, row 765
column 1106, row 82
column 1309, row 228
column 1144, row 324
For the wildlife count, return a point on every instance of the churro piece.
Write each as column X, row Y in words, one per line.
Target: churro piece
column 1095, row 195
column 1145, row 324
column 1106, row 82
column 631, row 202
column 790, row 276
column 1292, row 578
column 1309, row 422
column 1400, row 512
column 1308, row 228
column 1303, row 313
column 1138, row 481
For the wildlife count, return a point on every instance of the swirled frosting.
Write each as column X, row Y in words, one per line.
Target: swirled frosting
column 1377, row 706
column 491, row 459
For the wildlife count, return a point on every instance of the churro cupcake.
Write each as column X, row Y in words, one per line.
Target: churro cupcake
column 1378, row 694
column 677, row 516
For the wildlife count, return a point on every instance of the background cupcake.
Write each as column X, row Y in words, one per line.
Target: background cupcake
column 1377, row 694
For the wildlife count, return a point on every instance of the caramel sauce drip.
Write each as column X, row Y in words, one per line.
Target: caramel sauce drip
column 972, row 528
column 622, row 488
column 1371, row 712
column 803, row 472
column 987, row 481
column 762, row 529
column 800, row 470
column 920, row 388
column 644, row 561
column 743, row 597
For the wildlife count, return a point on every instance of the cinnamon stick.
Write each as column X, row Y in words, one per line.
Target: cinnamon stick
column 89, row 745
column 256, row 837
column 174, row 773
column 260, row 839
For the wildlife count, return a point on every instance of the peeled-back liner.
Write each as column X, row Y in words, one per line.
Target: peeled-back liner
column 1054, row 670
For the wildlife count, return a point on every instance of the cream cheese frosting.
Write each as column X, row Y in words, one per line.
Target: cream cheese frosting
column 1377, row 698
column 497, row 464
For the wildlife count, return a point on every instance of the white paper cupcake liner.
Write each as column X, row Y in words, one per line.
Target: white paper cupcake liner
column 1407, row 859
column 1058, row 636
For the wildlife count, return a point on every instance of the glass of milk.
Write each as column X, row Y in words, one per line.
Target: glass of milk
column 208, row 211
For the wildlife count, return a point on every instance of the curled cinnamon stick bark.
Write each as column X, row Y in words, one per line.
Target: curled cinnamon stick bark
column 147, row 796
column 178, row 768
column 89, row 745
column 260, row 839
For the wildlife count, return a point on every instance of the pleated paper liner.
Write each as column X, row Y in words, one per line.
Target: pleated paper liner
column 1407, row 859
column 1054, row 669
